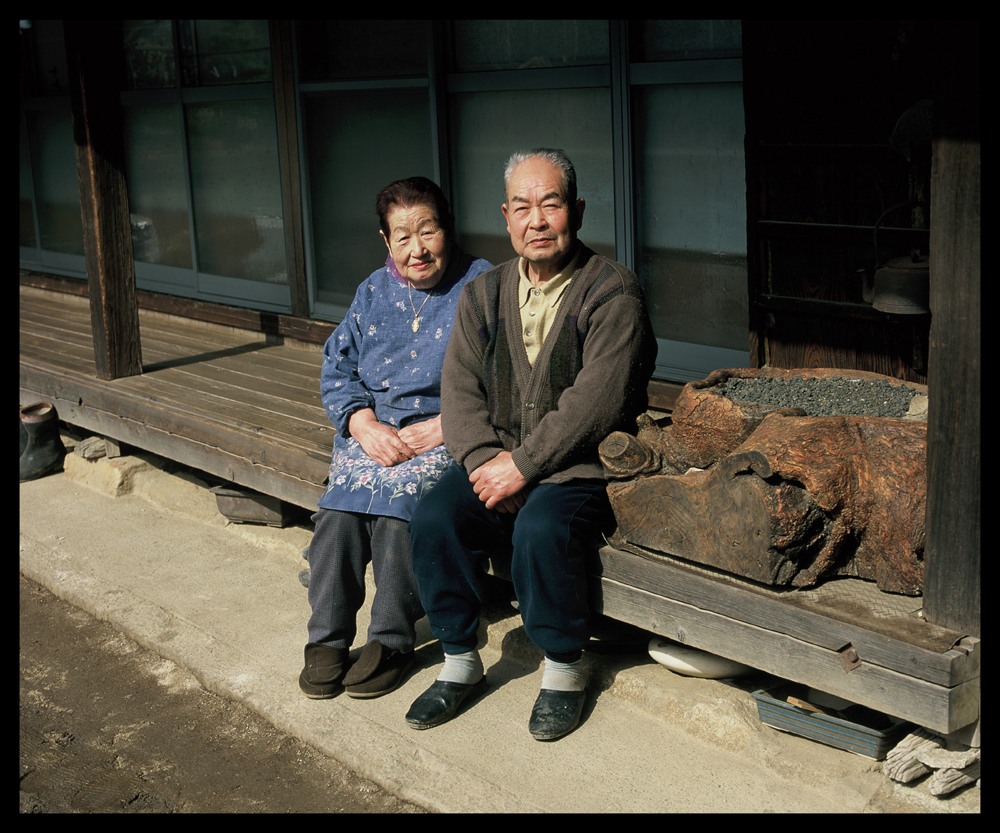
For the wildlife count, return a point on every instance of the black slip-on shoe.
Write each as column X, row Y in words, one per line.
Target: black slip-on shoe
column 378, row 671
column 555, row 713
column 323, row 672
column 441, row 702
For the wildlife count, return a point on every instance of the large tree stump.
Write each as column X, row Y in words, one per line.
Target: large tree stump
column 705, row 428
column 783, row 498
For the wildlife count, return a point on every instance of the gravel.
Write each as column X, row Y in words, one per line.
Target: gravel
column 823, row 397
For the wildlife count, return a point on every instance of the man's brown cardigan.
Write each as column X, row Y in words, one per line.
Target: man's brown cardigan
column 589, row 378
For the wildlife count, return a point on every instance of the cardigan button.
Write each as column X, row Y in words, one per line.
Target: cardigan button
column 530, row 406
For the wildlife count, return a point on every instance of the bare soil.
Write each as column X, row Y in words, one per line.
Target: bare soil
column 107, row 726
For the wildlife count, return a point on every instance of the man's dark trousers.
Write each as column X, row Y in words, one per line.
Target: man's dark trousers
column 452, row 533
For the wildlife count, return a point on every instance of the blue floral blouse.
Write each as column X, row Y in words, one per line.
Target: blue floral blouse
column 375, row 360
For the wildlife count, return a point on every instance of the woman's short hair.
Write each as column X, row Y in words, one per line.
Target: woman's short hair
column 407, row 193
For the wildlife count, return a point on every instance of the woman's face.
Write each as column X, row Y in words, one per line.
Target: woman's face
column 418, row 245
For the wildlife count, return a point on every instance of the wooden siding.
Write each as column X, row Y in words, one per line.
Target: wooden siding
column 821, row 105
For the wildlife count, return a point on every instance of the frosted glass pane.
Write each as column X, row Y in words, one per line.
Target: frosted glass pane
column 57, row 189
column 490, row 126
column 691, row 211
column 225, row 52
column 156, row 184
column 529, row 44
column 340, row 49
column 357, row 143
column 236, row 188
column 149, row 54
column 48, row 53
column 671, row 40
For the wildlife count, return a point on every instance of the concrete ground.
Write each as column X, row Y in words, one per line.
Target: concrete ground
column 140, row 542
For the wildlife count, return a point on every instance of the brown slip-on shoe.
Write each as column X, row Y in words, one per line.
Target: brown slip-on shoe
column 378, row 671
column 323, row 672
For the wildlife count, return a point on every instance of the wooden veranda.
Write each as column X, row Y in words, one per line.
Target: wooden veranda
column 237, row 404
column 245, row 407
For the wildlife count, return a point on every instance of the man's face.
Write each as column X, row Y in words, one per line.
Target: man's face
column 541, row 222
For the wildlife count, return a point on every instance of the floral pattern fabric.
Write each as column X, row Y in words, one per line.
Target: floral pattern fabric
column 353, row 471
column 374, row 359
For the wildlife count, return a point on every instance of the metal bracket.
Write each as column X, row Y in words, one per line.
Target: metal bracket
column 849, row 657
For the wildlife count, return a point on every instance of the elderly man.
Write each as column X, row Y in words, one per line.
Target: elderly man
column 549, row 354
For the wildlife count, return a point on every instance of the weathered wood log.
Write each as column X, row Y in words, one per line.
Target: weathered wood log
column 921, row 752
column 626, row 455
column 869, row 477
column 705, row 428
column 938, row 758
column 945, row 781
column 902, row 762
column 717, row 517
column 783, row 498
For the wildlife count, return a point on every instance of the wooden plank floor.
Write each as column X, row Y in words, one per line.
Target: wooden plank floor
column 229, row 403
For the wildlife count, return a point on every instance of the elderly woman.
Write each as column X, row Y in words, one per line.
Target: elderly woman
column 380, row 385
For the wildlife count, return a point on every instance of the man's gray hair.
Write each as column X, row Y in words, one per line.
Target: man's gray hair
column 556, row 157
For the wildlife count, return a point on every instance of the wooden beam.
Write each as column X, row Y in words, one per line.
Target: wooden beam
column 663, row 395
column 94, row 54
column 914, row 648
column 940, row 708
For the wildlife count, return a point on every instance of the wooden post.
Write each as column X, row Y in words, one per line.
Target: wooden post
column 952, row 559
column 952, row 570
column 94, row 54
column 288, row 153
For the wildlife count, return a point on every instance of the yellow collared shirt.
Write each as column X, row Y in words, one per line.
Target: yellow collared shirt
column 539, row 305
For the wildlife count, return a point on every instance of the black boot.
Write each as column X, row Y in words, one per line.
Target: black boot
column 42, row 448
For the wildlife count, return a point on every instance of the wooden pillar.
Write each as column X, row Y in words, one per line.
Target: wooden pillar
column 94, row 54
column 952, row 559
column 288, row 153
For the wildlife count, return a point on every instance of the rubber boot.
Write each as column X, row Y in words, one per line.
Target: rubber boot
column 42, row 448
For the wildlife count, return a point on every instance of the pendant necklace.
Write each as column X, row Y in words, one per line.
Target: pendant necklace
column 416, row 312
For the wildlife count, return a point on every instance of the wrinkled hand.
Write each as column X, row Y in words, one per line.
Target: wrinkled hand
column 423, row 436
column 499, row 484
column 381, row 442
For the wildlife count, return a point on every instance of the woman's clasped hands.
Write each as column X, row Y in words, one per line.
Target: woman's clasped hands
column 389, row 447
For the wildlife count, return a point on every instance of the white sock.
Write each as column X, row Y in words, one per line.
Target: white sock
column 462, row 668
column 563, row 676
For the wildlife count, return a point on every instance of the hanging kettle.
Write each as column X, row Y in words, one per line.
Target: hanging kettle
column 902, row 286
